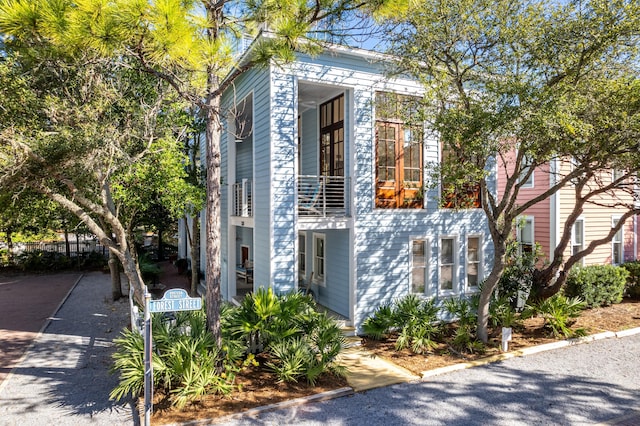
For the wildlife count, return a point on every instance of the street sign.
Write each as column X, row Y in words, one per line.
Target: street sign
column 175, row 299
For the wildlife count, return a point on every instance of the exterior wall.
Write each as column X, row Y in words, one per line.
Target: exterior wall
column 381, row 241
column 541, row 211
column 309, row 163
column 598, row 222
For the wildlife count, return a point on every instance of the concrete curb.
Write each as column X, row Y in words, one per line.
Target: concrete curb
column 40, row 332
column 323, row 396
column 530, row 350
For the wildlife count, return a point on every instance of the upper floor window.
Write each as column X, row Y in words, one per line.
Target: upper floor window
column 243, row 119
column 332, row 137
column 617, row 174
column 617, row 247
column 461, row 195
column 399, row 151
column 526, row 174
column 577, row 237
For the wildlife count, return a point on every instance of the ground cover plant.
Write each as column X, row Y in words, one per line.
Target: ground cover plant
column 280, row 334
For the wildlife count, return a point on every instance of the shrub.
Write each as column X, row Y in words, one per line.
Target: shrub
column 633, row 281
column 466, row 314
column 39, row 261
column 502, row 313
column 597, row 285
column 186, row 362
column 517, row 278
column 559, row 313
column 414, row 319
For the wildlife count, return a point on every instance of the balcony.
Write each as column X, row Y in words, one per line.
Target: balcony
column 323, row 196
column 243, row 198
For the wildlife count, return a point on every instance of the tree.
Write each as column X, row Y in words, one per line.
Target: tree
column 190, row 45
column 519, row 77
column 93, row 136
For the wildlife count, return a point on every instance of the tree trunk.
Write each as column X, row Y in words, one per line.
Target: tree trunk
column 195, row 254
column 488, row 288
column 114, row 269
column 8, row 231
column 213, row 272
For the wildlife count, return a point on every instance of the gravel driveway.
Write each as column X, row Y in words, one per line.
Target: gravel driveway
column 576, row 385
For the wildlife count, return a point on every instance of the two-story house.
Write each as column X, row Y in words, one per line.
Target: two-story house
column 324, row 182
column 544, row 222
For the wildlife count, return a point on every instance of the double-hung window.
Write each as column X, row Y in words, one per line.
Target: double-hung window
column 419, row 265
column 474, row 265
column 617, row 248
column 447, row 258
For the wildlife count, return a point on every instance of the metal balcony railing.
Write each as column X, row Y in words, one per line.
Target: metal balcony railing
column 243, row 198
column 323, row 196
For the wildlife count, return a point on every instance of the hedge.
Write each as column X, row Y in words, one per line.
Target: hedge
column 597, row 285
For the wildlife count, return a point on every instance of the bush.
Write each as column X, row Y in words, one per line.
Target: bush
column 41, row 261
column 517, row 278
column 415, row 320
column 559, row 312
column 466, row 314
column 633, row 281
column 597, row 285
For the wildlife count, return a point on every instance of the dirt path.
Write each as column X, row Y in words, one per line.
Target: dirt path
column 26, row 302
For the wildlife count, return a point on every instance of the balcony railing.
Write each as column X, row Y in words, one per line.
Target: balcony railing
column 243, row 198
column 323, row 196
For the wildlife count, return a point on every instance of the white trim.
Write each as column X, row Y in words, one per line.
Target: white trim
column 455, row 279
column 479, row 262
column 299, row 251
column 554, row 222
column 319, row 279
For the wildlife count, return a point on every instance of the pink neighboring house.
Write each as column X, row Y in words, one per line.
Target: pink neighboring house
column 544, row 222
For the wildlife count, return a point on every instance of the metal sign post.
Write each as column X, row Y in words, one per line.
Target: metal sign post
column 172, row 300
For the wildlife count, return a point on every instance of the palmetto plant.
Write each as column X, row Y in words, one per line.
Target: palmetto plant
column 558, row 312
column 464, row 311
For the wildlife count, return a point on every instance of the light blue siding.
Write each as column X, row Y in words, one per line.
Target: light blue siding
column 310, row 142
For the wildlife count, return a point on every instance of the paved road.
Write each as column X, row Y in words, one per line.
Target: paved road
column 578, row 385
column 64, row 379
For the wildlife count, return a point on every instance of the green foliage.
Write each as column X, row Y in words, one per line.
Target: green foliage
column 414, row 319
column 299, row 341
column 185, row 361
column 517, row 278
column 502, row 312
column 42, row 261
column 559, row 312
column 149, row 270
column 633, row 281
column 466, row 315
column 597, row 285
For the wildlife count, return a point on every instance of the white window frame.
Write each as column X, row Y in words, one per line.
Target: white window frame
column 454, row 265
column 302, row 255
column 412, row 267
column 575, row 243
column 319, row 278
column 519, row 229
column 526, row 165
column 478, row 262
column 614, row 241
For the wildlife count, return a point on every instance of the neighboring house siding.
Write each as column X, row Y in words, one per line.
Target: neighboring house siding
column 541, row 211
column 310, row 151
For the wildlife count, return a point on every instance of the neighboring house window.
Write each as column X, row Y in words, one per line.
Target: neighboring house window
column 474, row 267
column 318, row 258
column 302, row 255
column 617, row 255
column 419, row 256
column 447, row 264
column 577, row 237
column 617, row 174
column 332, row 137
column 243, row 119
column 399, row 152
column 526, row 167
column 525, row 234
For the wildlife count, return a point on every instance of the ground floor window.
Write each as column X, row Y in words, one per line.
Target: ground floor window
column 419, row 256
column 319, row 258
column 474, row 267
column 525, row 234
column 617, row 255
column 577, row 237
column 447, row 274
column 302, row 255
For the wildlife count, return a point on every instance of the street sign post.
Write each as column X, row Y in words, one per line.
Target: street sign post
column 173, row 300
